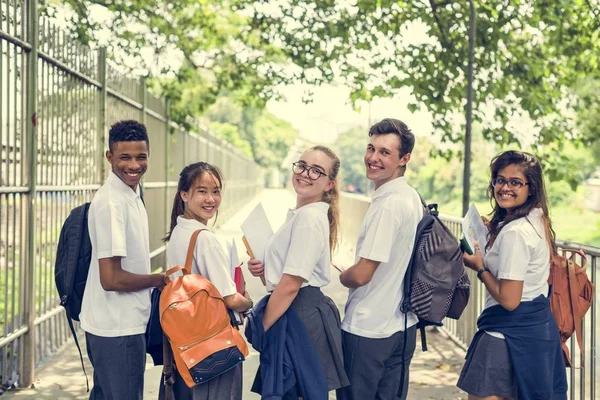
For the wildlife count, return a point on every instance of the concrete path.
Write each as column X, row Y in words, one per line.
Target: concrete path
column 433, row 373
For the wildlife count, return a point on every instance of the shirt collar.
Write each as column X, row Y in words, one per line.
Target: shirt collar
column 122, row 187
column 319, row 205
column 190, row 223
column 390, row 187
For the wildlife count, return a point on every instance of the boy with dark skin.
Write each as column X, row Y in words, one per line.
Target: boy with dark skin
column 116, row 301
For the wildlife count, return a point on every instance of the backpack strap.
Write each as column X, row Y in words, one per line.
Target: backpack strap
column 70, row 321
column 168, row 369
column 577, row 315
column 189, row 259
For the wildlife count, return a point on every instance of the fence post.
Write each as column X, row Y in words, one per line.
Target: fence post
column 167, row 160
column 102, row 113
column 143, row 100
column 31, row 133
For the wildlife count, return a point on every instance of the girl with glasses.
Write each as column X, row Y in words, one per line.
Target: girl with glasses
column 298, row 264
column 516, row 353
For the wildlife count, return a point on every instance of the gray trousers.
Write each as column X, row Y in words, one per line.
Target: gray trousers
column 374, row 366
column 119, row 364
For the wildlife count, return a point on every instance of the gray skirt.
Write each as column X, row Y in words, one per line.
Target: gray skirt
column 488, row 370
column 321, row 318
column 227, row 386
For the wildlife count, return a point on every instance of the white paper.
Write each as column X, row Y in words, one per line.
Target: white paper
column 258, row 231
column 474, row 228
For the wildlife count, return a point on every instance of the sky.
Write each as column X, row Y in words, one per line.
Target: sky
column 331, row 113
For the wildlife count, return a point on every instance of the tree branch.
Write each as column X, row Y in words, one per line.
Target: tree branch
column 443, row 38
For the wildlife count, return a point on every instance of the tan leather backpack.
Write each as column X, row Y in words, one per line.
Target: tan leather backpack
column 196, row 323
column 571, row 295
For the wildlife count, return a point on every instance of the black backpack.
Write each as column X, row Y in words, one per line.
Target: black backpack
column 73, row 256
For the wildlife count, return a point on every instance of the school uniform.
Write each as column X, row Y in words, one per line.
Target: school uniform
column 301, row 248
column 115, row 322
column 377, row 337
column 520, row 252
column 211, row 262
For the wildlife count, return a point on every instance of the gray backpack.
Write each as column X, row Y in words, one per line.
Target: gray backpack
column 436, row 285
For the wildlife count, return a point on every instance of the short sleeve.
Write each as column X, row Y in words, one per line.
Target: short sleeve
column 307, row 244
column 110, row 226
column 380, row 235
column 214, row 266
column 514, row 255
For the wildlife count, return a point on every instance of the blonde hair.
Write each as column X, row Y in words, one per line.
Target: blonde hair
column 332, row 197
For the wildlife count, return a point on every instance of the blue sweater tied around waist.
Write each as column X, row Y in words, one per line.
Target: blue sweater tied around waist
column 533, row 343
column 289, row 364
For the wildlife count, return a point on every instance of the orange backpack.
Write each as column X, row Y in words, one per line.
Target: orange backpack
column 571, row 296
column 196, row 323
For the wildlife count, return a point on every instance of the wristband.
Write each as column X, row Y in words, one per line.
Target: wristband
column 249, row 307
column 481, row 271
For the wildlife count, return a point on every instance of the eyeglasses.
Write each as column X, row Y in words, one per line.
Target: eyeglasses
column 314, row 173
column 512, row 183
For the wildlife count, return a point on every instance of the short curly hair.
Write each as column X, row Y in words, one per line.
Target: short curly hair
column 127, row 131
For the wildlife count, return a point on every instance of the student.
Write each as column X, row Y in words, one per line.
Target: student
column 116, row 301
column 516, row 352
column 198, row 197
column 297, row 260
column 374, row 328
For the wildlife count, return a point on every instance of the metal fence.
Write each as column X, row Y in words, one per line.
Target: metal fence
column 57, row 101
column 582, row 381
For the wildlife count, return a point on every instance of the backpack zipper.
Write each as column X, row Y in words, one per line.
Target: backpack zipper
column 188, row 346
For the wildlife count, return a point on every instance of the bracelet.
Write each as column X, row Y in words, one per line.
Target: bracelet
column 481, row 271
column 250, row 307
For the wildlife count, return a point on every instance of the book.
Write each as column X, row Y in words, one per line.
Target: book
column 235, row 268
column 473, row 229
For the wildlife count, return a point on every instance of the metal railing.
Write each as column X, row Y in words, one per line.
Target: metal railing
column 57, row 101
column 582, row 381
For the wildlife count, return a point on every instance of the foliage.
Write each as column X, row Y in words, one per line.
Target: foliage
column 588, row 111
column 528, row 55
column 204, row 46
column 232, row 135
column 274, row 137
column 257, row 132
column 350, row 147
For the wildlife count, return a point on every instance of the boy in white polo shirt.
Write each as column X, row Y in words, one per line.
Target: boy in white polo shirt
column 377, row 336
column 116, row 301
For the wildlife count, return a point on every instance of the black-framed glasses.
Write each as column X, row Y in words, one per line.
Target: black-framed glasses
column 515, row 184
column 314, row 173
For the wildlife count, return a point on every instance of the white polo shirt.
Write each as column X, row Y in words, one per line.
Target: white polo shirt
column 521, row 253
column 118, row 226
column 301, row 247
column 210, row 260
column 387, row 235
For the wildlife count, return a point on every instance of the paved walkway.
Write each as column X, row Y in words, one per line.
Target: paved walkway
column 433, row 373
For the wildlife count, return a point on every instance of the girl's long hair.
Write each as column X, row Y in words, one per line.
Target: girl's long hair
column 187, row 178
column 332, row 197
column 537, row 198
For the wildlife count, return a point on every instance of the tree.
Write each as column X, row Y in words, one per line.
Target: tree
column 205, row 47
column 528, row 55
column 257, row 132
column 273, row 139
column 350, row 147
